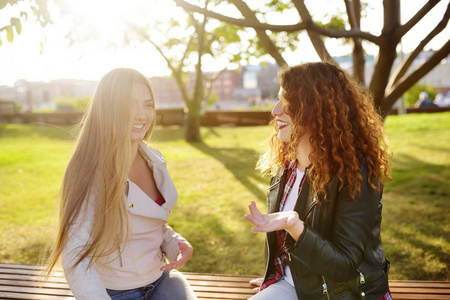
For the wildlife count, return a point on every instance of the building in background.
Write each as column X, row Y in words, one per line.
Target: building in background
column 233, row 89
column 33, row 95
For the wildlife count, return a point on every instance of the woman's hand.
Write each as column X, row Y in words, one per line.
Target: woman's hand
column 287, row 220
column 257, row 282
column 184, row 255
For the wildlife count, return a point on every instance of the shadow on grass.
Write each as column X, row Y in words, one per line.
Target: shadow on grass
column 35, row 252
column 237, row 161
column 422, row 260
column 174, row 133
column 412, row 175
column 416, row 219
column 219, row 248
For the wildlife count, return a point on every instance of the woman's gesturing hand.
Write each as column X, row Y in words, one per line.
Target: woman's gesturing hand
column 287, row 220
column 184, row 255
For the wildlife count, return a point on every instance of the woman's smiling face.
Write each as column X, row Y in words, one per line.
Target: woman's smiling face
column 283, row 119
column 145, row 112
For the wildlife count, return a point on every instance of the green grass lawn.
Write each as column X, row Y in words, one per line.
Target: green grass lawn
column 216, row 181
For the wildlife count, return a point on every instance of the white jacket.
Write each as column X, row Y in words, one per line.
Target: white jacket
column 150, row 239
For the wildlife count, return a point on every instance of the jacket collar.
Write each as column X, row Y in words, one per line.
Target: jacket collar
column 163, row 181
column 154, row 157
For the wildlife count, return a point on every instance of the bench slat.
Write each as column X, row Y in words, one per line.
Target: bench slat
column 6, row 295
column 218, row 277
column 212, row 295
column 415, row 283
column 419, row 290
column 223, row 290
column 24, row 282
column 35, row 290
column 219, row 283
column 34, row 284
column 31, row 278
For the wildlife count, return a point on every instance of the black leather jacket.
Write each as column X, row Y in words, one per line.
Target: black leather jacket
column 339, row 254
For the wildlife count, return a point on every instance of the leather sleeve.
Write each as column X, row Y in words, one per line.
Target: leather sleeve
column 339, row 255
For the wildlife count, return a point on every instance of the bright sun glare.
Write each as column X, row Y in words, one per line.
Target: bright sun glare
column 107, row 17
column 103, row 23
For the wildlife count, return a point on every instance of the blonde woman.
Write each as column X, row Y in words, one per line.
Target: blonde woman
column 329, row 160
column 116, row 197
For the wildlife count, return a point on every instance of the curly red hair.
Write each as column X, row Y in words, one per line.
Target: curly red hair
column 345, row 128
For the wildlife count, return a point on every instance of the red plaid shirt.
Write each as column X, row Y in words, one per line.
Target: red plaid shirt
column 281, row 258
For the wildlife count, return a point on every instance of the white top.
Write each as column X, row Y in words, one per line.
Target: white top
column 289, row 206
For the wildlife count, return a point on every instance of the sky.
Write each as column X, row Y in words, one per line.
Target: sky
column 91, row 60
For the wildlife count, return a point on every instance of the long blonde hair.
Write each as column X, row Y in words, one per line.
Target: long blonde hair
column 344, row 126
column 99, row 167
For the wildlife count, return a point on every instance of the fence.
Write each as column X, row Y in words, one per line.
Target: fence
column 168, row 117
column 164, row 117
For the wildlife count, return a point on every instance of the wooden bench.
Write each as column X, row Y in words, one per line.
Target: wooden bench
column 23, row 282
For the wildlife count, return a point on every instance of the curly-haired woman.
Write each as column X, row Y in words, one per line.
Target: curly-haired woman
column 329, row 160
column 116, row 197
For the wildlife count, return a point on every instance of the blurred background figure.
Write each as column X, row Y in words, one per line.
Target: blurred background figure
column 425, row 101
column 441, row 100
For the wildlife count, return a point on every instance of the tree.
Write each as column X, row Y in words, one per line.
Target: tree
column 199, row 39
column 37, row 7
column 184, row 43
column 385, row 89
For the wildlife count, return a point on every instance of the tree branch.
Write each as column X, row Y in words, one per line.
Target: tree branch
column 353, row 8
column 185, row 55
column 405, row 83
column 175, row 71
column 209, row 86
column 255, row 24
column 351, row 14
column 416, row 18
column 315, row 38
column 268, row 44
column 403, row 68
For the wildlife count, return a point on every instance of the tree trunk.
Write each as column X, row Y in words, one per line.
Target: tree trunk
column 386, row 55
column 193, row 120
column 380, row 79
column 358, row 51
column 192, row 126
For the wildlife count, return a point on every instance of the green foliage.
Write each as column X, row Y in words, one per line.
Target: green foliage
column 15, row 22
column 63, row 103
column 216, row 180
column 278, row 5
column 81, row 103
column 335, row 22
column 213, row 97
column 412, row 95
column 9, row 34
column 39, row 9
column 71, row 103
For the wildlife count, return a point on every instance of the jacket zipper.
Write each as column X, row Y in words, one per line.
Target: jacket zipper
column 325, row 288
column 362, row 279
column 314, row 206
column 120, row 258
